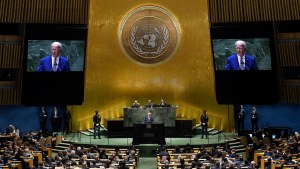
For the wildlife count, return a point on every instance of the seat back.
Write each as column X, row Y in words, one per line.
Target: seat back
column 49, row 140
column 58, row 139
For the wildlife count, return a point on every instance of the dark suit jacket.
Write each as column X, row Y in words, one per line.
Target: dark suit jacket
column 97, row 119
column 147, row 121
column 67, row 115
column 204, row 120
column 43, row 116
column 233, row 63
column 254, row 116
column 45, row 64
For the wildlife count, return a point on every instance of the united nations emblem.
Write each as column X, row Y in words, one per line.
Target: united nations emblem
column 149, row 35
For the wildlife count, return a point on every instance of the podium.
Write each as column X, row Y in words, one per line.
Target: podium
column 148, row 134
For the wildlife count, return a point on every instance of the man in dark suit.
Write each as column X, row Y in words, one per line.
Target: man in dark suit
column 56, row 120
column 136, row 104
column 241, row 118
column 240, row 60
column 67, row 118
column 54, row 63
column 43, row 119
column 162, row 103
column 148, row 119
column 149, row 104
column 204, row 121
column 97, row 120
column 254, row 119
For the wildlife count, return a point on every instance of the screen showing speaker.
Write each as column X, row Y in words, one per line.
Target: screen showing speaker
column 71, row 51
column 244, row 60
column 54, row 63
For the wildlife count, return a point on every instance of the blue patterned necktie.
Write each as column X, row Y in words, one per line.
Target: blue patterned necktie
column 55, row 65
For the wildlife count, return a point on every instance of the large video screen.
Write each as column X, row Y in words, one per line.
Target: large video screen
column 244, row 59
column 54, row 64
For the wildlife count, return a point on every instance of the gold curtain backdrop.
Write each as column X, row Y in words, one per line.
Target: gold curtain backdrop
column 112, row 81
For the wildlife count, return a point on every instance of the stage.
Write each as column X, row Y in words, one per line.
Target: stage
column 146, row 150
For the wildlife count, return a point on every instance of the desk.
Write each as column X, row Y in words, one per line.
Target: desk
column 28, row 160
column 164, row 115
column 48, row 150
column 143, row 134
column 257, row 156
column 38, row 155
column 15, row 164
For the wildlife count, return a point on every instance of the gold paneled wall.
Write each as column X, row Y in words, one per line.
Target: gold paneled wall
column 225, row 11
column 113, row 81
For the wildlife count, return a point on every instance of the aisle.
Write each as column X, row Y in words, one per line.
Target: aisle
column 147, row 163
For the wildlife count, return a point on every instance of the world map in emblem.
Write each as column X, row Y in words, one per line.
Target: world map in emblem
column 149, row 35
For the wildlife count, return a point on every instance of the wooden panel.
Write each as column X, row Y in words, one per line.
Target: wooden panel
column 44, row 11
column 10, row 56
column 253, row 10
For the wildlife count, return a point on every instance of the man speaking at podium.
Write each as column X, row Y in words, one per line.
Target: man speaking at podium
column 149, row 119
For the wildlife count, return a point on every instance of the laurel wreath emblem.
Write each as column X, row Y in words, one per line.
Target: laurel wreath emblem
column 158, row 51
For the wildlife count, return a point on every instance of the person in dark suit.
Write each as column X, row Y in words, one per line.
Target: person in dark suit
column 162, row 103
column 55, row 120
column 241, row 118
column 136, row 104
column 204, row 121
column 149, row 104
column 240, row 60
column 54, row 63
column 254, row 119
column 43, row 119
column 148, row 119
column 67, row 118
column 97, row 120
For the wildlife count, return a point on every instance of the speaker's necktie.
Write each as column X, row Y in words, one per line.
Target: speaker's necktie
column 242, row 64
column 55, row 65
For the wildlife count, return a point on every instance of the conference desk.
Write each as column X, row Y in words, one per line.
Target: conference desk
column 148, row 134
column 166, row 115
